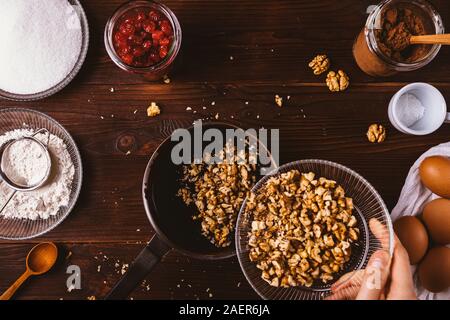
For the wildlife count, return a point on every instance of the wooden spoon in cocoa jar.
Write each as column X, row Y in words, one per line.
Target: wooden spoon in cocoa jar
column 404, row 40
column 40, row 260
column 443, row 39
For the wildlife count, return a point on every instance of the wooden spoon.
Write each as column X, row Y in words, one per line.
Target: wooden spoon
column 40, row 259
column 443, row 39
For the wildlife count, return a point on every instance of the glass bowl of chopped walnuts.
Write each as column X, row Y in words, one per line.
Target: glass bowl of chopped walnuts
column 305, row 226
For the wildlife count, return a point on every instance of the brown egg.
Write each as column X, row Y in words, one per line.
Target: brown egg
column 435, row 175
column 436, row 216
column 434, row 270
column 413, row 236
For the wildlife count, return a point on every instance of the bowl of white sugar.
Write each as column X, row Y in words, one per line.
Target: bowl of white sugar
column 44, row 45
column 32, row 213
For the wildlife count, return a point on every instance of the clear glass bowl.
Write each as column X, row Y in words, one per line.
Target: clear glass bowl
column 21, row 229
column 368, row 204
column 159, row 70
column 82, row 57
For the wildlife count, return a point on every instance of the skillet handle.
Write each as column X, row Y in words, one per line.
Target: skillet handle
column 141, row 266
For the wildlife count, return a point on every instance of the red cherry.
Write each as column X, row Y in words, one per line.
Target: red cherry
column 138, row 52
column 136, row 40
column 164, row 42
column 154, row 15
column 122, row 44
column 163, row 51
column 166, row 27
column 157, row 35
column 120, row 40
column 154, row 57
column 149, row 26
column 119, row 37
column 147, row 45
column 127, row 58
column 125, row 50
column 127, row 29
column 138, row 26
column 141, row 16
column 128, row 20
column 145, row 35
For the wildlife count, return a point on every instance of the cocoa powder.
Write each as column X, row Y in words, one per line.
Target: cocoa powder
column 398, row 25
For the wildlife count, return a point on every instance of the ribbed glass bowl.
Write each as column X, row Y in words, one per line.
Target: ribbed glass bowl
column 368, row 204
column 20, row 229
column 81, row 58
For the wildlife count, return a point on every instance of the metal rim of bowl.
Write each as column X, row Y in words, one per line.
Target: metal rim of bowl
column 76, row 69
column 80, row 170
column 279, row 170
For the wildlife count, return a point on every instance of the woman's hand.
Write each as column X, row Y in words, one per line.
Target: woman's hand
column 383, row 278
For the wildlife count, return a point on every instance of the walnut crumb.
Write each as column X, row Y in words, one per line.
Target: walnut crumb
column 278, row 100
column 153, row 110
column 166, row 79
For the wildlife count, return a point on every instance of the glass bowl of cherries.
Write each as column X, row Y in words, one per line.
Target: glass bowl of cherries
column 143, row 37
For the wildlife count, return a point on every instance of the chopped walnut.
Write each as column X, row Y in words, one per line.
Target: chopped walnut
column 320, row 64
column 278, row 101
column 153, row 110
column 337, row 81
column 302, row 228
column 217, row 191
column 376, row 133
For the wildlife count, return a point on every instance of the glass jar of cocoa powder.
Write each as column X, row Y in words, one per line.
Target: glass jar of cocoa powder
column 381, row 48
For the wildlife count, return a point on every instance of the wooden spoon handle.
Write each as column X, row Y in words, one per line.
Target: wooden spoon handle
column 431, row 39
column 10, row 292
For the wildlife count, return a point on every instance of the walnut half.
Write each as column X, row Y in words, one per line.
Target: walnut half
column 337, row 81
column 376, row 133
column 319, row 64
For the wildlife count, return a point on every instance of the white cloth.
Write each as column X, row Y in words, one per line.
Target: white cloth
column 412, row 199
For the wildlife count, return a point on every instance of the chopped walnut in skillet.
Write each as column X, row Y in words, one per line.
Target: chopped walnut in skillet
column 217, row 191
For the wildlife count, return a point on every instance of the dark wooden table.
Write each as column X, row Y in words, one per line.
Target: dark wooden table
column 270, row 43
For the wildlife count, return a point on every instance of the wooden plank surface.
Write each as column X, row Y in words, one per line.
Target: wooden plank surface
column 271, row 43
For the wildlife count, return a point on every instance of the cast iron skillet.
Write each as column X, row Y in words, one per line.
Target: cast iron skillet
column 170, row 218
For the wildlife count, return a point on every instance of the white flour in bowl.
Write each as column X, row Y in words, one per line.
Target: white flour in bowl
column 54, row 194
column 41, row 42
column 25, row 163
